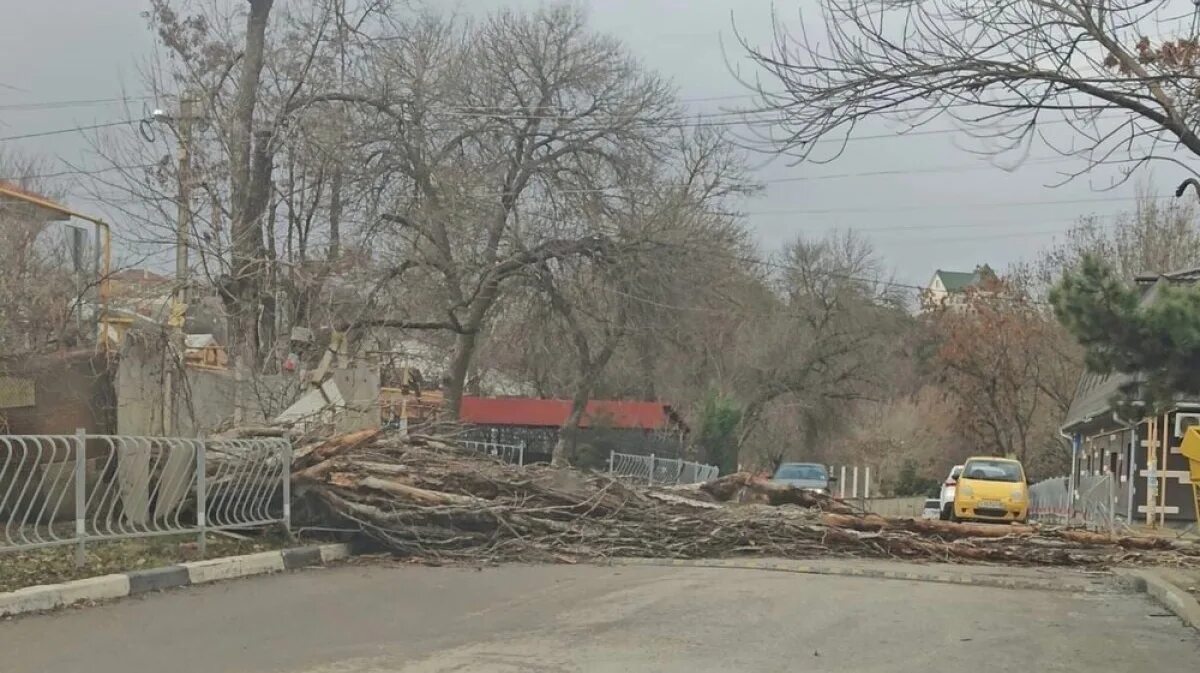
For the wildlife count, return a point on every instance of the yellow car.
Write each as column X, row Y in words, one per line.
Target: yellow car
column 991, row 489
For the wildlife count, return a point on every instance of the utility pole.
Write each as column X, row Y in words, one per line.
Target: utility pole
column 183, row 224
column 187, row 115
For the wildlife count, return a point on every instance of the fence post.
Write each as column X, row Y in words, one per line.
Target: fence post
column 286, row 461
column 1112, row 506
column 201, row 497
column 612, row 462
column 842, row 484
column 80, row 496
column 854, row 486
column 521, row 454
column 867, row 483
column 650, row 479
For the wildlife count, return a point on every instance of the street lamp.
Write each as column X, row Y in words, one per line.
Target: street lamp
column 9, row 192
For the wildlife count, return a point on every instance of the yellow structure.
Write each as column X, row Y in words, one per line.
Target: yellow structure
column 1190, row 448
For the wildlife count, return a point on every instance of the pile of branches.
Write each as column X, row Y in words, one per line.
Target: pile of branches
column 426, row 497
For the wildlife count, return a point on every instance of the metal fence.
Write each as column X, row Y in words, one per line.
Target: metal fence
column 509, row 453
column 72, row 489
column 660, row 470
column 1094, row 504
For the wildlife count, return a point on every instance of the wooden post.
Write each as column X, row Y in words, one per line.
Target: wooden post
column 1151, row 468
column 1163, row 464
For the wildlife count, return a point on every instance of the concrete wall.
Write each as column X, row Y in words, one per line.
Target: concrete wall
column 71, row 390
column 209, row 400
column 896, row 507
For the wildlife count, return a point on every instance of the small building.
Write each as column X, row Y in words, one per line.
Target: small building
column 1142, row 454
column 202, row 350
column 948, row 289
column 607, row 425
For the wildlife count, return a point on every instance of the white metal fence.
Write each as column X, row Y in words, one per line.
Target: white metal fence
column 71, row 489
column 660, row 470
column 1094, row 504
column 509, row 453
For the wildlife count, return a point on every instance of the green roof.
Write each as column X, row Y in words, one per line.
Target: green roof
column 957, row 281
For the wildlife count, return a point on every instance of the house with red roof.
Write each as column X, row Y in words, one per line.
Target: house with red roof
column 608, row 425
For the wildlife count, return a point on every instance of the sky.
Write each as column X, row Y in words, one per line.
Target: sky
column 936, row 205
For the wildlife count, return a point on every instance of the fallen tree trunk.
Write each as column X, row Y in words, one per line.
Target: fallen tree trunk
column 744, row 487
column 423, row 497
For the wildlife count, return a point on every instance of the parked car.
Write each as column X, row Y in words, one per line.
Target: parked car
column 809, row 476
column 933, row 509
column 947, row 497
column 991, row 489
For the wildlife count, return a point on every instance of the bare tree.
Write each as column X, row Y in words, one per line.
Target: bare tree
column 1153, row 238
column 474, row 121
column 1120, row 75
column 39, row 291
column 1010, row 369
column 819, row 340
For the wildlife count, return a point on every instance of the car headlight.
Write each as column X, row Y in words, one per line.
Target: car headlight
column 1018, row 495
column 965, row 490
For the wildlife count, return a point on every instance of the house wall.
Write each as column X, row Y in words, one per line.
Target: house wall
column 1109, row 451
column 71, row 390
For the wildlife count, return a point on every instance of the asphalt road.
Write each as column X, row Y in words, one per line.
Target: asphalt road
column 561, row 618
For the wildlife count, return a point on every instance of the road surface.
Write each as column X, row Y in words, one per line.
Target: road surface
column 373, row 619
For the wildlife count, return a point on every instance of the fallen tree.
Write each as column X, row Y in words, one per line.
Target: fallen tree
column 425, row 497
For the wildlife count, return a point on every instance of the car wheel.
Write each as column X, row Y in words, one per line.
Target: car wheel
column 947, row 512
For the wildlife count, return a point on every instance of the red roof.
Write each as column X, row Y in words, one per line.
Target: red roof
column 525, row 411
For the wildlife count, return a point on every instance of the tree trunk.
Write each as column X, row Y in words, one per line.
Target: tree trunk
column 568, row 434
column 464, row 350
column 249, row 180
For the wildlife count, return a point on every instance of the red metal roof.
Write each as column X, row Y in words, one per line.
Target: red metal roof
column 525, row 411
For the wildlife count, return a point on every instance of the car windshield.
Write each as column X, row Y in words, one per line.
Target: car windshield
column 993, row 470
column 805, row 472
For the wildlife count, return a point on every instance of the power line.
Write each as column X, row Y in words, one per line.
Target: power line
column 937, row 206
column 80, row 102
column 75, row 129
column 78, row 171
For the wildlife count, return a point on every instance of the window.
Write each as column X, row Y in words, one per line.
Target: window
column 805, row 472
column 993, row 470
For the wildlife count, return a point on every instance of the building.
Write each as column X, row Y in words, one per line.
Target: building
column 1151, row 475
column 607, row 425
column 948, row 289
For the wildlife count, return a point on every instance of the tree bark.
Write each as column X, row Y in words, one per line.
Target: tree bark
column 568, row 434
column 250, row 166
column 460, row 364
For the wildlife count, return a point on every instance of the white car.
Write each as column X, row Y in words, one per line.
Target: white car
column 947, row 499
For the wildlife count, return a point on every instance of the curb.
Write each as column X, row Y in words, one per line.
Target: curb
column 106, row 587
column 936, row 576
column 1171, row 597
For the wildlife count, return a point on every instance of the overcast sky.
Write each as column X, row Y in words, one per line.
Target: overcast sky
column 944, row 214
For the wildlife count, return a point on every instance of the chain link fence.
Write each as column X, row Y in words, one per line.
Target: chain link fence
column 1093, row 506
column 72, row 489
column 509, row 453
column 660, row 470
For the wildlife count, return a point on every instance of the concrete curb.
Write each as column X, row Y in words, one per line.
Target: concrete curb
column 1172, row 597
column 106, row 587
column 915, row 575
